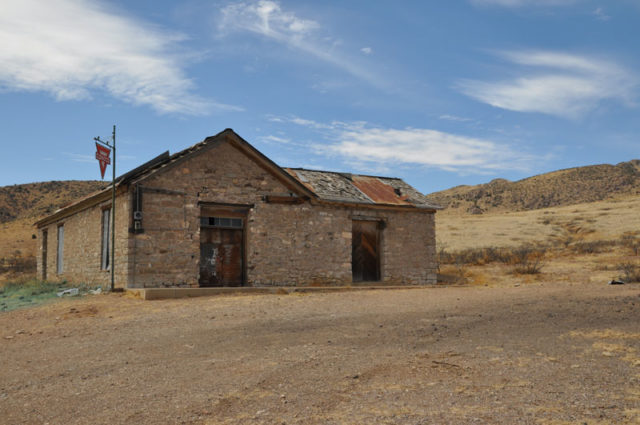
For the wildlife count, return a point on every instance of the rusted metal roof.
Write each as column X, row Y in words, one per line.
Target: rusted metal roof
column 379, row 191
column 356, row 188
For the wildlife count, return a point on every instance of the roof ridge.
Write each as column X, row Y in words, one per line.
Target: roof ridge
column 342, row 173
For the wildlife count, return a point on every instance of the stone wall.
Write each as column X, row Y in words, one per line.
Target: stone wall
column 300, row 244
column 168, row 250
column 82, row 253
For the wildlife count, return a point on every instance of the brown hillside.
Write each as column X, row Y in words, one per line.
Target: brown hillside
column 564, row 187
column 22, row 205
column 38, row 199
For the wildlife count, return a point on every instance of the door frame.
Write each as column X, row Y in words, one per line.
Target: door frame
column 226, row 210
column 380, row 225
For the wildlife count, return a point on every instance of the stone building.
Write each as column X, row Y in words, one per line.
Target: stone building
column 220, row 213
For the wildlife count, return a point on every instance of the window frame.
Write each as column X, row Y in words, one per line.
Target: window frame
column 60, row 249
column 105, row 239
column 222, row 222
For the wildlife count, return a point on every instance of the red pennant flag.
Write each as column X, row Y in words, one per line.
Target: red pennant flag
column 102, row 155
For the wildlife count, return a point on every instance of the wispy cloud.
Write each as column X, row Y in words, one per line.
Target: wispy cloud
column 69, row 48
column 266, row 18
column 448, row 117
column 78, row 157
column 555, row 83
column 276, row 139
column 523, row 3
column 366, row 50
column 364, row 145
column 600, row 14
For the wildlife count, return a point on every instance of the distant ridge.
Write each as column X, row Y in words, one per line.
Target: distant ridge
column 557, row 188
column 38, row 199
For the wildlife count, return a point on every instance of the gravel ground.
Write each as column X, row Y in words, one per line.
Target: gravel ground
column 534, row 354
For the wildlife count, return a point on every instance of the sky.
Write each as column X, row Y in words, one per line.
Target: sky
column 438, row 93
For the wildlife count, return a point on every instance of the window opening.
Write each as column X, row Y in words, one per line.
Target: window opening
column 228, row 222
column 106, row 244
column 60, row 256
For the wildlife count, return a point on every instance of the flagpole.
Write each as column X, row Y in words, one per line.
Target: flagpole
column 113, row 213
column 112, row 145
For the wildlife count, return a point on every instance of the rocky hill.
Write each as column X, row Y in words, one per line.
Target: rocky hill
column 38, row 199
column 557, row 188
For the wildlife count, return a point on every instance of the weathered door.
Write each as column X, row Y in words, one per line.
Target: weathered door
column 221, row 257
column 365, row 253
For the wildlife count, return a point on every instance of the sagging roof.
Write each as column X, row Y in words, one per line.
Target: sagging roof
column 361, row 189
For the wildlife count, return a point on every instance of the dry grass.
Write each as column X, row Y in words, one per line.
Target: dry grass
column 569, row 224
column 598, row 241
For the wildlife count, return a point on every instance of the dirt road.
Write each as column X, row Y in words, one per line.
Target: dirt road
column 535, row 354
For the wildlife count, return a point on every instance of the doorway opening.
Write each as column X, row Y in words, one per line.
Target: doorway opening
column 365, row 250
column 222, row 250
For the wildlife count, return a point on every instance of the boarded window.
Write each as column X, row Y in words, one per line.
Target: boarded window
column 60, row 251
column 226, row 222
column 365, row 251
column 106, row 232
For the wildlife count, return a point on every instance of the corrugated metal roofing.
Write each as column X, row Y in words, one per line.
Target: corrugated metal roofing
column 343, row 187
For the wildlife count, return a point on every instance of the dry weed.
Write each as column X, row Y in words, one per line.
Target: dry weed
column 629, row 272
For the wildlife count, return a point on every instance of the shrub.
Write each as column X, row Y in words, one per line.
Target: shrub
column 473, row 256
column 630, row 272
column 18, row 264
column 528, row 259
column 593, row 247
column 631, row 242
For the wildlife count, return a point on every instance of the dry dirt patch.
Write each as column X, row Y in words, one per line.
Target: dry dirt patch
column 536, row 354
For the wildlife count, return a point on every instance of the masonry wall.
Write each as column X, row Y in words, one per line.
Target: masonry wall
column 82, row 254
column 409, row 248
column 300, row 244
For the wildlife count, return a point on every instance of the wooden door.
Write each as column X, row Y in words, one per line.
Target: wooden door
column 221, row 257
column 365, row 252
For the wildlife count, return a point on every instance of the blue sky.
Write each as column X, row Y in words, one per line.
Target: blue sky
column 440, row 93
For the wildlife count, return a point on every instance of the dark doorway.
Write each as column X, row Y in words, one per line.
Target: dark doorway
column 221, row 252
column 365, row 253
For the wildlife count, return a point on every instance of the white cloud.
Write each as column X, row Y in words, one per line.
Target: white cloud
column 423, row 147
column 366, row 50
column 448, row 117
column 370, row 148
column 600, row 14
column 78, row 157
column 266, row 18
column 555, row 83
column 276, row 139
column 69, row 48
column 523, row 3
